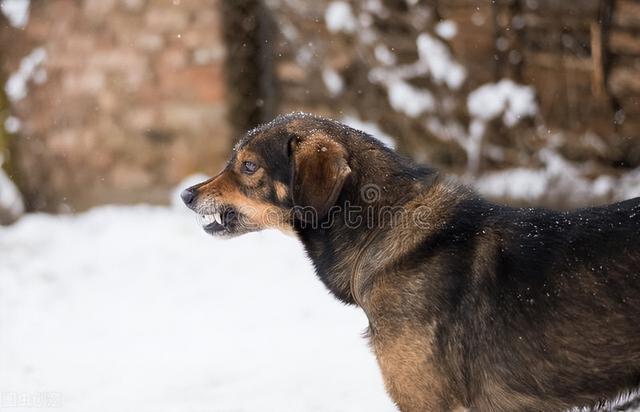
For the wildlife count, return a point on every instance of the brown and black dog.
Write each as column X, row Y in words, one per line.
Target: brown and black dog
column 471, row 305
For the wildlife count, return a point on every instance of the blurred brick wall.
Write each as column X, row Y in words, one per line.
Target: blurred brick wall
column 132, row 95
column 129, row 98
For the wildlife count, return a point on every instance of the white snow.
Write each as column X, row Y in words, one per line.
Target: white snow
column 384, row 55
column 487, row 102
column 473, row 145
column 16, row 86
column 506, row 98
column 339, row 17
column 441, row 65
column 516, row 184
column 376, row 7
column 470, row 141
column 371, row 129
column 12, row 124
column 434, row 60
column 305, row 55
column 628, row 186
column 409, row 100
column 136, row 308
column 447, row 29
column 332, row 81
column 365, row 19
column 559, row 179
column 447, row 131
column 40, row 76
column 11, row 204
column 16, row 11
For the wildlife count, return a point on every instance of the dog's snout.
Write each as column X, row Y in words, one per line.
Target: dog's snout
column 188, row 195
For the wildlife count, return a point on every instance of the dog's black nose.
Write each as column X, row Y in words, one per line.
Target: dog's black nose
column 188, row 195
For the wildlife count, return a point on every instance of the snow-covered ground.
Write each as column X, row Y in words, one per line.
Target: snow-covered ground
column 137, row 309
column 11, row 204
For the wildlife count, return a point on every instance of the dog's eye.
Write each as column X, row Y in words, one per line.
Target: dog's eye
column 249, row 168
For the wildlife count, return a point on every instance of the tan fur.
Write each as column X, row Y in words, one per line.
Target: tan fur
column 422, row 216
column 260, row 215
column 408, row 369
column 387, row 246
column 466, row 310
column 281, row 191
column 404, row 355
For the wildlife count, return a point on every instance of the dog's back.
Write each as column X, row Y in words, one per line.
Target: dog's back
column 550, row 316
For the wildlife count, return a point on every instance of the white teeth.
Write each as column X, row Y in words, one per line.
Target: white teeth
column 209, row 219
column 214, row 217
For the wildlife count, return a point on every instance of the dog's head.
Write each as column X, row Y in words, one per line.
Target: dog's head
column 296, row 161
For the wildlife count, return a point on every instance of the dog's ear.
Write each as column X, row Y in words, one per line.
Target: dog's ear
column 319, row 170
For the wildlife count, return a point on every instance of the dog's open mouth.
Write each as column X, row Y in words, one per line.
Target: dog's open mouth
column 220, row 222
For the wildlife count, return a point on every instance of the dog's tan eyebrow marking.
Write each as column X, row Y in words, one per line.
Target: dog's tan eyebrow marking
column 245, row 154
column 281, row 191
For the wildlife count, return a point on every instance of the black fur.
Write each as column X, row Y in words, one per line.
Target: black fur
column 526, row 309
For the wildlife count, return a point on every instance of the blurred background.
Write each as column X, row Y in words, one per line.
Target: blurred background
column 534, row 102
column 117, row 100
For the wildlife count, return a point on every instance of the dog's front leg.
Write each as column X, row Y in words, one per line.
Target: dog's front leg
column 410, row 375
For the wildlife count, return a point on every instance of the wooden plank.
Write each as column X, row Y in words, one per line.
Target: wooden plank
column 624, row 42
column 597, row 59
column 627, row 14
column 558, row 21
column 474, row 44
column 569, row 8
column 624, row 81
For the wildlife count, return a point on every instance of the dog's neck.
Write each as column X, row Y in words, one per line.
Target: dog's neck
column 347, row 247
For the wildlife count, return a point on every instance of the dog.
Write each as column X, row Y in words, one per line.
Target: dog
column 472, row 306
